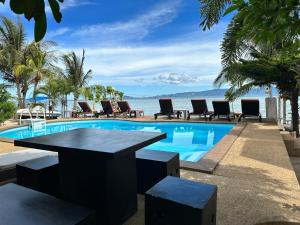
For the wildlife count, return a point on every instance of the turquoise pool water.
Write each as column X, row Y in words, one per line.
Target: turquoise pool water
column 191, row 140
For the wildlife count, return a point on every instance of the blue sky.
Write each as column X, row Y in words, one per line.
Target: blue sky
column 143, row 48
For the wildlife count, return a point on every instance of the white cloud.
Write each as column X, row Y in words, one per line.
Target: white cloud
column 74, row 3
column 175, row 78
column 57, row 32
column 67, row 4
column 136, row 28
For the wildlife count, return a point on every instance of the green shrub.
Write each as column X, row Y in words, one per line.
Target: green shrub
column 7, row 107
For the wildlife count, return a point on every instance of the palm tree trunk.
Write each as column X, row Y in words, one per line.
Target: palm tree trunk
column 19, row 95
column 23, row 99
column 66, row 106
column 75, row 103
column 34, row 92
column 295, row 113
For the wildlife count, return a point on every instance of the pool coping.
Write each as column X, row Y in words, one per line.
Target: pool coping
column 211, row 159
column 206, row 164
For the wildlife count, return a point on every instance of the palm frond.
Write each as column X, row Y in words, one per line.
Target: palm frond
column 234, row 46
column 211, row 11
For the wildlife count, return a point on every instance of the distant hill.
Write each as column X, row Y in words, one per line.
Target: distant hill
column 207, row 93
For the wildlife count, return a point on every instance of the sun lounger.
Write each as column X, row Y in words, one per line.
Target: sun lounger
column 166, row 109
column 199, row 108
column 86, row 110
column 221, row 109
column 250, row 108
column 126, row 109
column 108, row 109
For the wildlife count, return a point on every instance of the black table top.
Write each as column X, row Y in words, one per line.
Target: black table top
column 20, row 205
column 108, row 143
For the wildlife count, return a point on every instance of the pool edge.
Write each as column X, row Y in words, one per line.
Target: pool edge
column 210, row 161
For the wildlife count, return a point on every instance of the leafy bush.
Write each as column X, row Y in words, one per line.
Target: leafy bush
column 7, row 107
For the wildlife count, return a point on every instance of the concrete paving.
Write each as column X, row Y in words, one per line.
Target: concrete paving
column 296, row 164
column 256, row 181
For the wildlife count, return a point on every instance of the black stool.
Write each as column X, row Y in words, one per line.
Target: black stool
column 153, row 166
column 20, row 205
column 39, row 174
column 175, row 201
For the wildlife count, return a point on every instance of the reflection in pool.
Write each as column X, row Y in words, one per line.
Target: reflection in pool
column 191, row 140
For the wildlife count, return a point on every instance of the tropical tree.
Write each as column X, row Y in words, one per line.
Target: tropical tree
column 259, row 30
column 87, row 93
column 7, row 107
column 51, row 89
column 99, row 92
column 230, row 96
column 263, row 20
column 12, row 46
column 119, row 94
column 64, row 90
column 75, row 74
column 39, row 62
column 111, row 91
column 262, row 70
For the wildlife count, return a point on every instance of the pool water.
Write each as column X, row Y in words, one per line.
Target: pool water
column 191, row 140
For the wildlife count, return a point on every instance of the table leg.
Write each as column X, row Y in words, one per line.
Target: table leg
column 109, row 186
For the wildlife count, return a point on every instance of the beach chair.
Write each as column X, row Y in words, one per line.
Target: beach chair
column 166, row 109
column 108, row 109
column 199, row 108
column 86, row 109
column 221, row 109
column 126, row 109
column 250, row 108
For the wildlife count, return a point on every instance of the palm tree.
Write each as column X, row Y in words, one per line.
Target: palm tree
column 99, row 92
column 51, row 90
column 120, row 95
column 262, row 36
column 12, row 46
column 110, row 90
column 270, row 18
column 262, row 70
column 75, row 74
column 87, row 93
column 230, row 96
column 39, row 62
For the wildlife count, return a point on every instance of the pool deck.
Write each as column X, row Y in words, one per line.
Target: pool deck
column 256, row 181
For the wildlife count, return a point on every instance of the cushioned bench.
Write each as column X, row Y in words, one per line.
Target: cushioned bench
column 176, row 201
column 39, row 174
column 20, row 205
column 153, row 166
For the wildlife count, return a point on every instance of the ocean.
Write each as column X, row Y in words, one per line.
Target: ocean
column 151, row 106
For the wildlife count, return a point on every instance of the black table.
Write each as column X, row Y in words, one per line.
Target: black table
column 20, row 205
column 98, row 168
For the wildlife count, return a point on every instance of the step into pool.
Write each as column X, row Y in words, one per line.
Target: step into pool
column 191, row 140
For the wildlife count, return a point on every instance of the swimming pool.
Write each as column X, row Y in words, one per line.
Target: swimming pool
column 191, row 140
